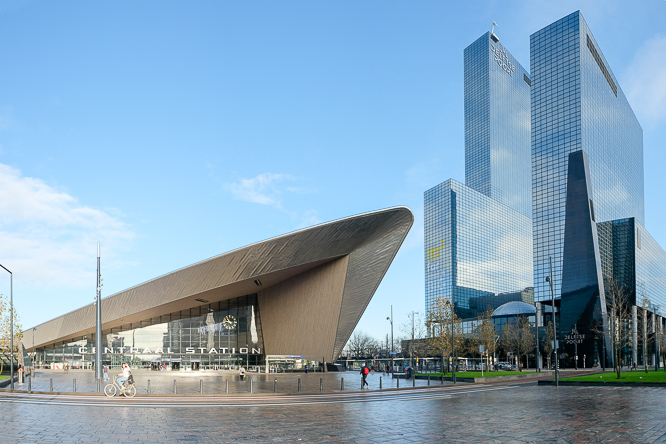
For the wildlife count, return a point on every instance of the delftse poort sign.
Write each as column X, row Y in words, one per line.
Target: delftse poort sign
column 574, row 337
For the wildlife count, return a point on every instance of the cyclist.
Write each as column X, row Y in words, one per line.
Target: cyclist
column 124, row 375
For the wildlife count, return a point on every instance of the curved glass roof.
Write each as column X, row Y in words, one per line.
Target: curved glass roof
column 514, row 308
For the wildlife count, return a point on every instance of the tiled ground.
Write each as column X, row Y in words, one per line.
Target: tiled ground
column 516, row 413
column 215, row 382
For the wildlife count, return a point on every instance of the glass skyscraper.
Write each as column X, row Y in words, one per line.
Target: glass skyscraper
column 478, row 236
column 577, row 104
column 497, row 116
column 586, row 211
column 478, row 251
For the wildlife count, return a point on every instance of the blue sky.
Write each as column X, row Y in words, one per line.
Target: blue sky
column 176, row 131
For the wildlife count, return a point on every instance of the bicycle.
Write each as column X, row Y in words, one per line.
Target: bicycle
column 128, row 390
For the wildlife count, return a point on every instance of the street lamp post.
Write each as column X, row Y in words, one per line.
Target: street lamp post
column 536, row 325
column 34, row 353
column 98, row 321
column 391, row 321
column 11, row 328
column 552, row 295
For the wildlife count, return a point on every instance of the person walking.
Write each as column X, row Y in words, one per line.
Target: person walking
column 241, row 372
column 365, row 371
column 105, row 370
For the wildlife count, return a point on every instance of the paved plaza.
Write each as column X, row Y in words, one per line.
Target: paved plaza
column 215, row 382
column 507, row 412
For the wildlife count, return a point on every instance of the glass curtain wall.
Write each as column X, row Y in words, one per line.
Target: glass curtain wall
column 212, row 336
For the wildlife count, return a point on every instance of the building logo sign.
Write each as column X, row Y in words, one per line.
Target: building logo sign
column 160, row 351
column 574, row 337
column 433, row 253
column 502, row 59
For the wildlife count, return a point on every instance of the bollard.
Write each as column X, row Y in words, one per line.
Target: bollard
column 74, row 386
column 413, row 381
column 99, row 385
column 149, row 386
column 428, row 380
column 380, row 383
column 299, row 385
column 342, row 383
column 51, row 384
column 275, row 386
column 397, row 381
column 201, row 386
column 227, row 389
column 251, row 385
column 30, row 384
column 174, row 387
column 321, row 384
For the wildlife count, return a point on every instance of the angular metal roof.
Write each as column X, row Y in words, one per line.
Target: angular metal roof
column 370, row 240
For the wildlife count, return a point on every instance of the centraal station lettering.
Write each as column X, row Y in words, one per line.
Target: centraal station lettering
column 160, row 351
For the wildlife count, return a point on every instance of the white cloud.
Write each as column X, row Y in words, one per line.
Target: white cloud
column 262, row 189
column 644, row 80
column 48, row 237
column 309, row 218
column 268, row 189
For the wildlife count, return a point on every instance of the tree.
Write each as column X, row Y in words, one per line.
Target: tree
column 645, row 332
column 548, row 342
column 361, row 345
column 617, row 320
column 5, row 330
column 415, row 331
column 438, row 322
column 485, row 333
column 518, row 336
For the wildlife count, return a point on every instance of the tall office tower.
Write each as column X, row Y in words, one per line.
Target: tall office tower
column 577, row 104
column 478, row 251
column 497, row 134
column 478, row 237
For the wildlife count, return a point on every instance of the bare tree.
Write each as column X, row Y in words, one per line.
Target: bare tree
column 485, row 333
column 361, row 345
column 440, row 317
column 518, row 336
column 548, row 343
column 647, row 332
column 617, row 320
column 415, row 331
column 5, row 331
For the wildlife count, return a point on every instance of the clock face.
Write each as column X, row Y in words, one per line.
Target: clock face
column 229, row 322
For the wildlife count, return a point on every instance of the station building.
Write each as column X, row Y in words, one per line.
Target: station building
column 284, row 302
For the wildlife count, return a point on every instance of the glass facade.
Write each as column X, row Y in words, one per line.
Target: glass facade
column 478, row 236
column 209, row 336
column 497, row 125
column 631, row 256
column 577, row 104
column 477, row 250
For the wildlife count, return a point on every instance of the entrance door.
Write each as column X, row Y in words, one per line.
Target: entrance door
column 155, row 365
column 175, row 365
column 196, row 365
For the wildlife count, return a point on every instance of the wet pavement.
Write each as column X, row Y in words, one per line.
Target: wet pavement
column 507, row 412
column 215, row 382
